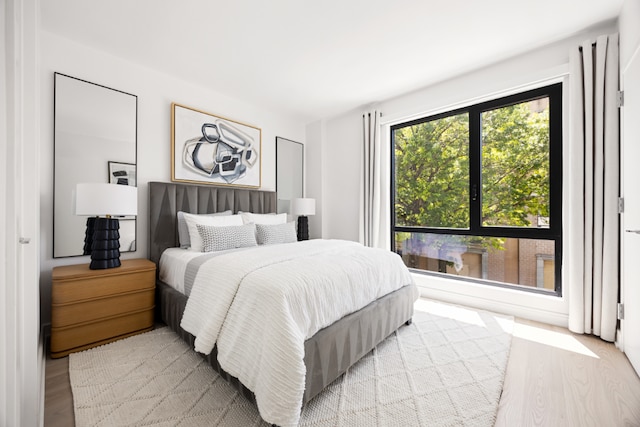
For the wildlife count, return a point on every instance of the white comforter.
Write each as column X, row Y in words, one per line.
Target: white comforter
column 260, row 305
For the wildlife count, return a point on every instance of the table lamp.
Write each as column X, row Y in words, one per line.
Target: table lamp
column 303, row 207
column 101, row 202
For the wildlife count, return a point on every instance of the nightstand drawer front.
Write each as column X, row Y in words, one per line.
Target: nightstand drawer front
column 66, row 291
column 94, row 307
column 63, row 339
column 86, row 311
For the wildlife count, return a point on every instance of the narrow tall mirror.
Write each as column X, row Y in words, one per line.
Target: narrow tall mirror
column 95, row 141
column 289, row 172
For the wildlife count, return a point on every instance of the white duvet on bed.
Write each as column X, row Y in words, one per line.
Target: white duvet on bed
column 172, row 266
column 262, row 303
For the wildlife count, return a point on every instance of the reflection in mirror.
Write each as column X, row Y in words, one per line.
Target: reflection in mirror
column 289, row 172
column 95, row 131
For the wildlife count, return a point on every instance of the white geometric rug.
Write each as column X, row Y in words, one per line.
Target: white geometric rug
column 445, row 369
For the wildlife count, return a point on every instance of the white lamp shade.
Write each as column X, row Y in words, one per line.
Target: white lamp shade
column 303, row 207
column 100, row 199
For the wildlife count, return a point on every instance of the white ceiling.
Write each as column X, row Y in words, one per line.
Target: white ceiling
column 316, row 58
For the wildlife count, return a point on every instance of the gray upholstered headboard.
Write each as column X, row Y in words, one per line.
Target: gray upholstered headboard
column 167, row 198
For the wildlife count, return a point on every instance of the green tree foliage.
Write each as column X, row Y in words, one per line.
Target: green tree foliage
column 432, row 169
column 432, row 173
column 515, row 165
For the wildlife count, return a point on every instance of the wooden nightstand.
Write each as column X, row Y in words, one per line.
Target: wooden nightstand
column 94, row 307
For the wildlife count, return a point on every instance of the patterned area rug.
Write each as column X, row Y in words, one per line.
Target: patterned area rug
column 445, row 369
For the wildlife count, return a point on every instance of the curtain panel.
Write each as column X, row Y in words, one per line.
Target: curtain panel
column 592, row 270
column 371, row 185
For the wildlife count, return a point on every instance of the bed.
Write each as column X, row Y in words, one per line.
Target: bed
column 330, row 351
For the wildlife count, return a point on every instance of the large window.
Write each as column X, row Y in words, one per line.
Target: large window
column 477, row 192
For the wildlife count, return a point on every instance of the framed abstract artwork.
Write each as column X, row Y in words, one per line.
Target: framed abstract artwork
column 209, row 149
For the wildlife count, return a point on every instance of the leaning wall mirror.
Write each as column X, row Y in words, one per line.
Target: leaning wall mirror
column 289, row 172
column 95, row 141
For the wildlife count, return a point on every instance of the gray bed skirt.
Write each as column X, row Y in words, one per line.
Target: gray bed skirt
column 330, row 352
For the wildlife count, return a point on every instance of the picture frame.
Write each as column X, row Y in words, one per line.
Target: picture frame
column 211, row 149
column 122, row 173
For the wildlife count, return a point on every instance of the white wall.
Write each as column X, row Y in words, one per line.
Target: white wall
column 340, row 176
column 314, row 154
column 629, row 30
column 156, row 92
column 340, row 171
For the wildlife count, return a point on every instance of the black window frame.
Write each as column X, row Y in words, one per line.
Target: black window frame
column 553, row 232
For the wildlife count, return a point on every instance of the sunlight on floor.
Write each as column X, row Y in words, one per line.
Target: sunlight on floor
column 461, row 314
column 563, row 341
column 560, row 340
column 505, row 323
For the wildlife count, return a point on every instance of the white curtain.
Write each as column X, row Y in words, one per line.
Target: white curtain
column 371, row 185
column 594, row 188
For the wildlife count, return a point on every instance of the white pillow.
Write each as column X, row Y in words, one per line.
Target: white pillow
column 230, row 237
column 268, row 234
column 254, row 218
column 218, row 221
column 183, row 230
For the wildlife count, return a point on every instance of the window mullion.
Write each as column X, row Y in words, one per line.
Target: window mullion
column 475, row 182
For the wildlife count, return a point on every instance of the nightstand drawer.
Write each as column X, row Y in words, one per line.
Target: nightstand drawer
column 70, row 290
column 85, row 311
column 68, row 338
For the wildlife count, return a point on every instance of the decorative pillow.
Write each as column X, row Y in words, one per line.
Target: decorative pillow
column 183, row 230
column 218, row 221
column 278, row 233
column 254, row 218
column 229, row 237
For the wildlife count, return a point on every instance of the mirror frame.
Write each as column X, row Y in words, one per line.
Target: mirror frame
column 57, row 148
column 281, row 143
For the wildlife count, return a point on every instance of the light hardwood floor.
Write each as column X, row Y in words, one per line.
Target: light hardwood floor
column 553, row 378
column 557, row 378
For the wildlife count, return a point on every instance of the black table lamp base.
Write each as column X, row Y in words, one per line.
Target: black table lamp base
column 88, row 235
column 105, row 245
column 303, row 228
